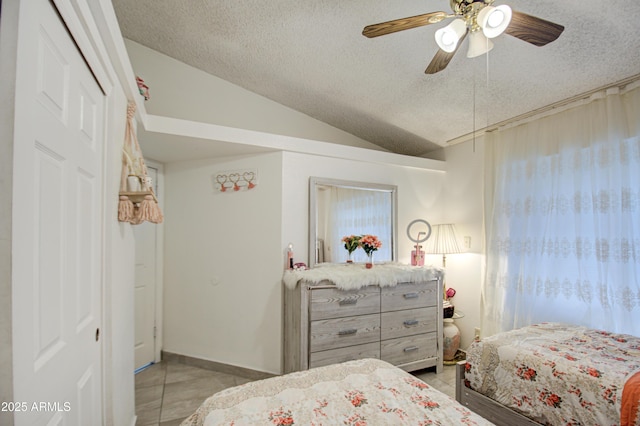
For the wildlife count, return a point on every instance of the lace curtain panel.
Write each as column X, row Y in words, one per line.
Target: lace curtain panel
column 562, row 218
column 356, row 212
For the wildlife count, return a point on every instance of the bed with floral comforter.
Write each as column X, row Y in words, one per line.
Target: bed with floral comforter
column 559, row 374
column 362, row 392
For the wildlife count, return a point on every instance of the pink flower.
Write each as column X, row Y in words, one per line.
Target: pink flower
column 370, row 243
column 551, row 399
column 526, row 373
column 450, row 292
column 593, row 372
column 356, row 398
column 281, row 417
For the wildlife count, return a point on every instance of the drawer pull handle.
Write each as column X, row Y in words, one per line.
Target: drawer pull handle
column 348, row 302
column 410, row 322
column 411, row 349
column 347, row 332
column 411, row 295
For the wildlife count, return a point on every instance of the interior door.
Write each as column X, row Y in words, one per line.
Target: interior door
column 57, row 226
column 146, row 237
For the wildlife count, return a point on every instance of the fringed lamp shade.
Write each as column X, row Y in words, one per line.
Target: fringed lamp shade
column 443, row 241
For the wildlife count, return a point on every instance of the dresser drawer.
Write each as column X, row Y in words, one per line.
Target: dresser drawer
column 334, row 356
column 334, row 303
column 409, row 349
column 409, row 296
column 341, row 332
column 396, row 324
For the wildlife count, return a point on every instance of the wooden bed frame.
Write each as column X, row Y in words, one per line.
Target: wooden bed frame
column 486, row 407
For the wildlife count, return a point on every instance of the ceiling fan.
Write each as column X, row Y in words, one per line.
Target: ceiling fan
column 477, row 18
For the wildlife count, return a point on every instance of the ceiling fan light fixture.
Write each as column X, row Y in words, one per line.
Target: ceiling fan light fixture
column 478, row 44
column 494, row 20
column 449, row 36
column 478, row 19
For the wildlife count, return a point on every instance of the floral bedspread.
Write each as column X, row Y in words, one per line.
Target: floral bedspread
column 554, row 373
column 362, row 392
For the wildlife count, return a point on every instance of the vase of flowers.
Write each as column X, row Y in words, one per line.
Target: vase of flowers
column 369, row 244
column 351, row 243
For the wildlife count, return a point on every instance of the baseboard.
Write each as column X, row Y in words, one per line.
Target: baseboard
column 216, row 366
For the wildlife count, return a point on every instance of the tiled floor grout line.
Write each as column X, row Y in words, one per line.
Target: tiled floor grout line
column 164, row 386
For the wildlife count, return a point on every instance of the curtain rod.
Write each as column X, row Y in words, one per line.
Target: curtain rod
column 540, row 112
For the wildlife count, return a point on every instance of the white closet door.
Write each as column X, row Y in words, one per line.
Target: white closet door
column 57, row 226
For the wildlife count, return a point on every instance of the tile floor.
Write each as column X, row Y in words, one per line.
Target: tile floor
column 168, row 392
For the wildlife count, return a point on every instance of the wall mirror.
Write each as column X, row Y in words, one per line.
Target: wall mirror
column 339, row 207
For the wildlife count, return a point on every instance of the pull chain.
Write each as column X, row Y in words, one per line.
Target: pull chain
column 474, row 112
column 488, row 97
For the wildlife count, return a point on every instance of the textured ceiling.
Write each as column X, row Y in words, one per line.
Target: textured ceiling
column 311, row 56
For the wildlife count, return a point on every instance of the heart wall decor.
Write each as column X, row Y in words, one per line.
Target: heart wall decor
column 235, row 180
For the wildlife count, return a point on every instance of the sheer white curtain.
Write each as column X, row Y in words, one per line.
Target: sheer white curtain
column 562, row 218
column 358, row 212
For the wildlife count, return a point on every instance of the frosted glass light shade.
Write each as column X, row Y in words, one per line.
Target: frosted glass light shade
column 478, row 44
column 449, row 36
column 494, row 20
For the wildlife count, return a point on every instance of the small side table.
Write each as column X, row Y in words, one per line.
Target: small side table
column 457, row 315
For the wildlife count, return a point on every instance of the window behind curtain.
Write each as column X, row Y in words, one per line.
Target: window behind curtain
column 563, row 219
column 359, row 212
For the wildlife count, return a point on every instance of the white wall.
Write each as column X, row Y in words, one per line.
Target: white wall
column 223, row 263
column 419, row 195
column 119, row 280
column 225, row 253
column 451, row 197
column 463, row 206
column 181, row 91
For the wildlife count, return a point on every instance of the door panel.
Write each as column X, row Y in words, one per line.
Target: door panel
column 57, row 227
column 48, row 254
column 146, row 236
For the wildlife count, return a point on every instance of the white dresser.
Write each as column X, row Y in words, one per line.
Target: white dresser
column 400, row 324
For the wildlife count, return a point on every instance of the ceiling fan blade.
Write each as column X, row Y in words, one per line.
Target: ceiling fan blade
column 442, row 58
column 396, row 25
column 533, row 30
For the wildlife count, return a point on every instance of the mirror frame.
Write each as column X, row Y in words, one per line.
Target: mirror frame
column 314, row 182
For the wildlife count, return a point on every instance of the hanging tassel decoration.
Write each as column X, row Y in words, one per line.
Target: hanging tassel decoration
column 136, row 205
column 149, row 211
column 125, row 205
column 125, row 209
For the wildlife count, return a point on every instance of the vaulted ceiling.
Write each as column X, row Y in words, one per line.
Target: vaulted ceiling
column 311, row 56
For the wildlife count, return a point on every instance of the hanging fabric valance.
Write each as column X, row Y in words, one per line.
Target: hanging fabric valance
column 138, row 202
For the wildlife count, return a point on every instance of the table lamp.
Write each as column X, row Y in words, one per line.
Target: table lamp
column 443, row 241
